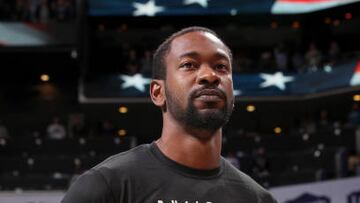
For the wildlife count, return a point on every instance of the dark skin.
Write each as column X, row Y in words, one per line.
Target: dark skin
column 195, row 59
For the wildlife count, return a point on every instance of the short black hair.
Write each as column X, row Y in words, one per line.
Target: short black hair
column 159, row 66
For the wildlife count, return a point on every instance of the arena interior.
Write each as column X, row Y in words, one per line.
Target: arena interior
column 75, row 90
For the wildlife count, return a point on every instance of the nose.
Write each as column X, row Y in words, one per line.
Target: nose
column 207, row 76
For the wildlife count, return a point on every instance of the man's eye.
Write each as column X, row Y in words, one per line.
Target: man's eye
column 221, row 67
column 187, row 65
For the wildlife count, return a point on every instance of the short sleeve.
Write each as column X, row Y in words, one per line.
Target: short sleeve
column 268, row 198
column 90, row 187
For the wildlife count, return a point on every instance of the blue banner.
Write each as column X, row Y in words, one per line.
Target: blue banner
column 207, row 7
column 245, row 85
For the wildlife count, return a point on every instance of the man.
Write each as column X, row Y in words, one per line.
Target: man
column 192, row 84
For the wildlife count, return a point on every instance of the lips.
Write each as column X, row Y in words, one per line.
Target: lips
column 210, row 95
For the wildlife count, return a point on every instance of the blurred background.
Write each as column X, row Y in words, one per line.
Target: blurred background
column 74, row 83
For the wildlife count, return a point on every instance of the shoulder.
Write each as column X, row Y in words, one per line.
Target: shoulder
column 88, row 187
column 125, row 159
column 99, row 183
column 122, row 165
column 247, row 184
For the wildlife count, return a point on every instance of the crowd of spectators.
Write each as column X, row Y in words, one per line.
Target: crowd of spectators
column 257, row 162
column 285, row 58
column 59, row 128
column 279, row 58
column 345, row 160
column 37, row 11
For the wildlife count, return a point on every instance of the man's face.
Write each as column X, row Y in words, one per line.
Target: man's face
column 198, row 85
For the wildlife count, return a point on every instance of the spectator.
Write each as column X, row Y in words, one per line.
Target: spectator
column 146, row 62
column 309, row 126
column 63, row 10
column 77, row 127
column 4, row 133
column 313, row 58
column 233, row 160
column 281, row 57
column 56, row 130
column 334, row 51
column 354, row 115
column 20, row 11
column 324, row 119
column 353, row 163
column 31, row 9
column 132, row 56
column 260, row 169
column 107, row 129
column 42, row 12
column 266, row 61
column 357, row 140
column 297, row 61
column 242, row 63
column 131, row 69
column 341, row 162
column 132, row 65
column 37, row 10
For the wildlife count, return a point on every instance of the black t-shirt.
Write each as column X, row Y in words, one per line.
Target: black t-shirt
column 145, row 175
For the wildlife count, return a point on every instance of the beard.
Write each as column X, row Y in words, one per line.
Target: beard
column 211, row 120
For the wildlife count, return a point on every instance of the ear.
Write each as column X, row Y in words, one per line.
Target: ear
column 157, row 92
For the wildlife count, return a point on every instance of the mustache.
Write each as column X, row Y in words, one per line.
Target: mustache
column 207, row 90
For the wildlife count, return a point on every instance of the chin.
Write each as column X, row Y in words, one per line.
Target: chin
column 209, row 119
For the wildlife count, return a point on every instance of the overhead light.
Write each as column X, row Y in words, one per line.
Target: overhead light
column 250, row 108
column 123, row 109
column 233, row 12
column 356, row 97
column 77, row 162
column 121, row 132
column 45, row 77
column 277, row 130
column 317, row 153
column 305, row 137
column 74, row 54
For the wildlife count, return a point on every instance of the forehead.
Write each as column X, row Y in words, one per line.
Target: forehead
column 199, row 42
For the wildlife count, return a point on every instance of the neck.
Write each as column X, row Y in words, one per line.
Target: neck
column 195, row 148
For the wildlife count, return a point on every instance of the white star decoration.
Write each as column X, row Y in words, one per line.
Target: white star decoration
column 328, row 69
column 237, row 92
column 203, row 3
column 147, row 9
column 233, row 12
column 137, row 81
column 277, row 79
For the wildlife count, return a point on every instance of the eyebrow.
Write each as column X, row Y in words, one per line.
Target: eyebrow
column 195, row 54
column 190, row 54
